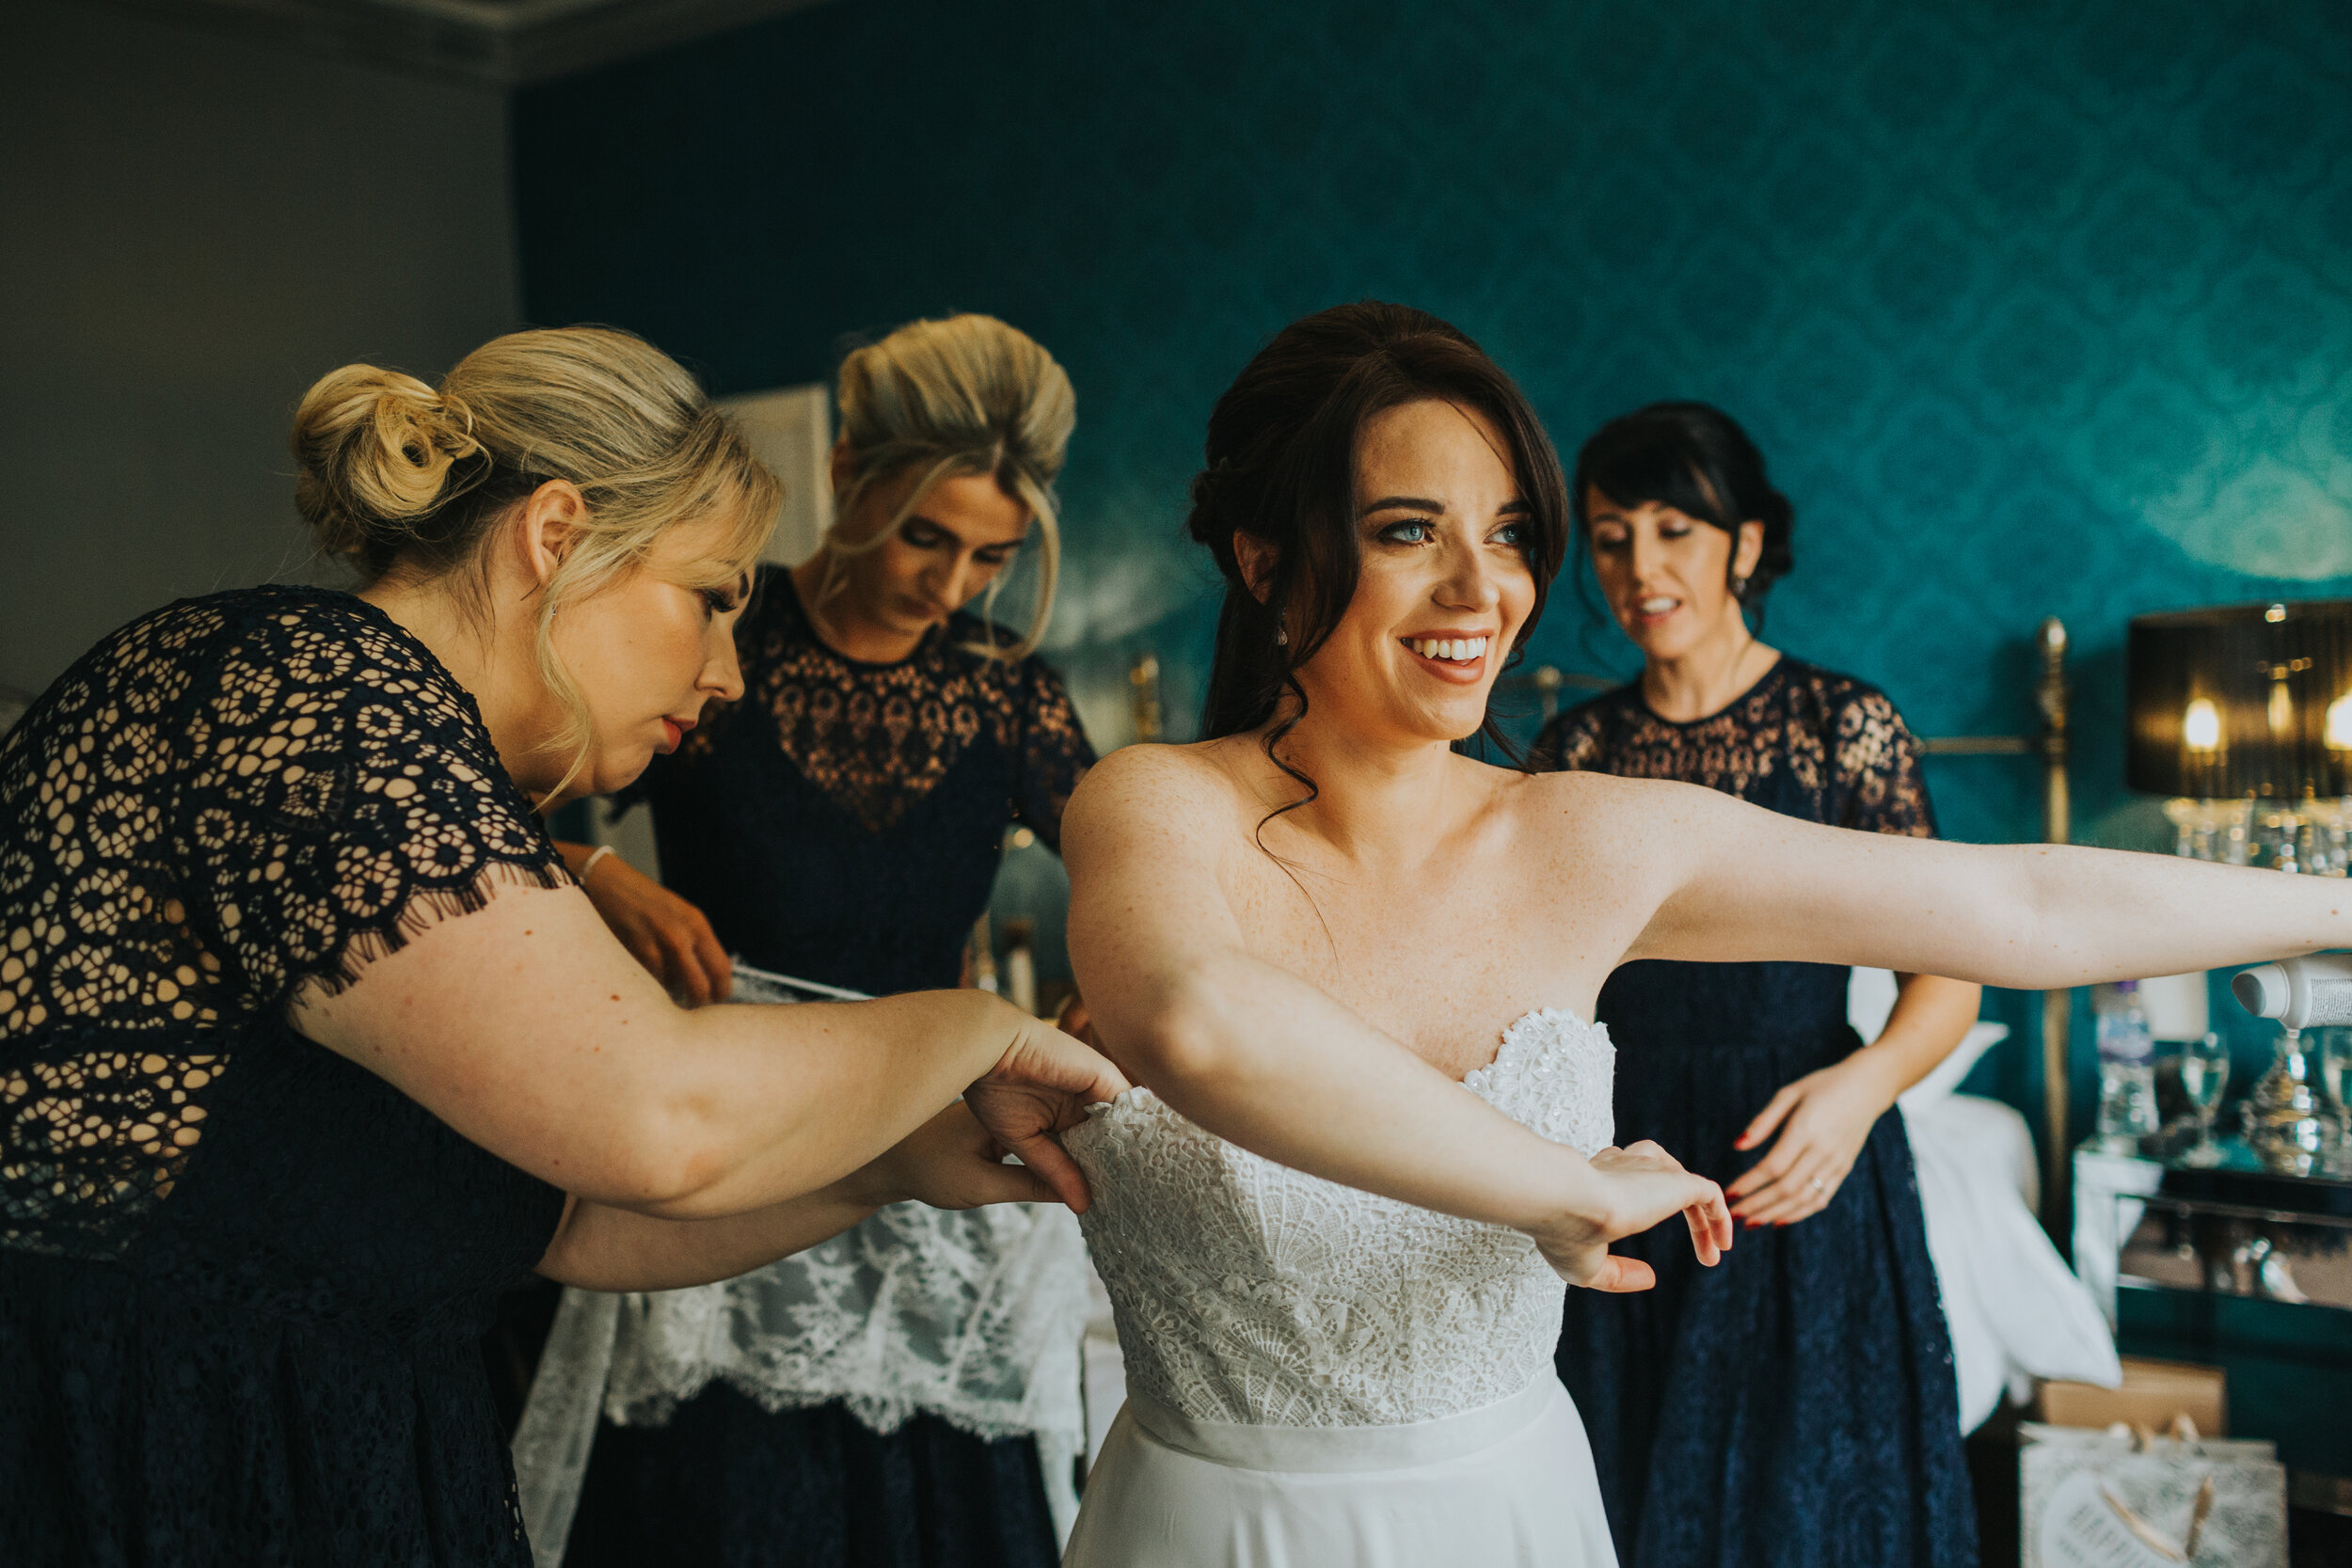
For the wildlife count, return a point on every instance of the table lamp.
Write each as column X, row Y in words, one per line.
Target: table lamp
column 2243, row 715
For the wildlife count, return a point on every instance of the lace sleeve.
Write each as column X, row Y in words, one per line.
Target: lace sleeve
column 341, row 796
column 1053, row 752
column 1878, row 763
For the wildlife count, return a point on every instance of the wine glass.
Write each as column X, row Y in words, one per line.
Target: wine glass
column 2335, row 1076
column 2204, row 1073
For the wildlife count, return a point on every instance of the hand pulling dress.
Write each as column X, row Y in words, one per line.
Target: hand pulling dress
column 874, row 1401
column 1795, row 1407
column 242, row 1277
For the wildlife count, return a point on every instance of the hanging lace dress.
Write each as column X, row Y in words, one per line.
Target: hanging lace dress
column 908, row 1392
column 1809, row 1379
column 242, row 1277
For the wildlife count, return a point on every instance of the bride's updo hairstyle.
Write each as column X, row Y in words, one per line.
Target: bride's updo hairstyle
column 405, row 480
column 966, row 396
column 1282, row 469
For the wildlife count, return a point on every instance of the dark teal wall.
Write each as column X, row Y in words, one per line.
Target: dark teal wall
column 2037, row 309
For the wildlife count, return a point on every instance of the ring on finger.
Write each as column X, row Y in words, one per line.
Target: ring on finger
column 1816, row 1185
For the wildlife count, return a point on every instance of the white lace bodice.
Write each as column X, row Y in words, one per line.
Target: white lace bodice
column 1249, row 1293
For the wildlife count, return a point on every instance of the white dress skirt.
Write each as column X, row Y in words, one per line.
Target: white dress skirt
column 1507, row 1486
column 1318, row 1377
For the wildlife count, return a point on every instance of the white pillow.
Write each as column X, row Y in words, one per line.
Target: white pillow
column 1870, row 997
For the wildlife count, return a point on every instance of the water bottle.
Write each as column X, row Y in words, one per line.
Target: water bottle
column 2127, row 1073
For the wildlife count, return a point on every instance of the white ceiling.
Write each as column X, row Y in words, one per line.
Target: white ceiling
column 503, row 42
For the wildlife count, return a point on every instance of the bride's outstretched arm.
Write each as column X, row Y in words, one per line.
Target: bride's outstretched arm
column 1748, row 884
column 1262, row 1057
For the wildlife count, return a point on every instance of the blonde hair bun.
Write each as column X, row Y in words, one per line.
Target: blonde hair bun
column 403, row 479
column 377, row 447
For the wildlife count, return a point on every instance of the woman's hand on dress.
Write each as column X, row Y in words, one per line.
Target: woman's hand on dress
column 950, row 1162
column 665, row 933
column 1823, row 1119
column 1643, row 1186
column 1042, row 1086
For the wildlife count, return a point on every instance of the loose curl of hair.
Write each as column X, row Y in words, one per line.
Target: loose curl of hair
column 404, row 479
column 1694, row 458
column 1280, row 467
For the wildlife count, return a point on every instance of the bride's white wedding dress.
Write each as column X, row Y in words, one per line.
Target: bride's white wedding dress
column 1317, row 1375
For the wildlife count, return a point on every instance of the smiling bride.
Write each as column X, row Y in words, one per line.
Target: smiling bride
column 1350, row 968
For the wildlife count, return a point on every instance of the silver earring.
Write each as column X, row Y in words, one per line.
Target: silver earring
column 1740, row 588
column 1282, row 635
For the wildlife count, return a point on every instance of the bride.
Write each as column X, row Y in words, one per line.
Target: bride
column 1349, row 968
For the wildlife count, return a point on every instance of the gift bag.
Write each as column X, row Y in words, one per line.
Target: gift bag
column 2127, row 1498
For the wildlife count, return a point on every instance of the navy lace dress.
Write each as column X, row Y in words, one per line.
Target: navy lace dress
column 1795, row 1407
column 242, row 1279
column 842, row 823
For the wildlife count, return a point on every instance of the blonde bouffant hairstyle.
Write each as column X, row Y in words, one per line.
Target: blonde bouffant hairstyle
column 403, row 479
column 962, row 396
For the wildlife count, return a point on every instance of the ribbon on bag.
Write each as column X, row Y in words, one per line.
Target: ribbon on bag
column 2183, row 1431
column 2131, row 1497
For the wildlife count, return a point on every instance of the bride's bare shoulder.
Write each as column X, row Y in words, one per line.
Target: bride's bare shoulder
column 1580, row 806
column 1159, row 785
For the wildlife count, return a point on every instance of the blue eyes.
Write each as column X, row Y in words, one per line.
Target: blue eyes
column 1420, row 531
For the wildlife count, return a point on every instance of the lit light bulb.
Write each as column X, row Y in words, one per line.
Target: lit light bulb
column 2201, row 726
column 2340, row 724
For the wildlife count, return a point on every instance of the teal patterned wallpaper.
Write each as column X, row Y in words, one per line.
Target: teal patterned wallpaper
column 2037, row 309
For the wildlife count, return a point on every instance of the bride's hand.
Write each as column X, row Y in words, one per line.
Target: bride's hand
column 950, row 1162
column 1042, row 1086
column 1643, row 1185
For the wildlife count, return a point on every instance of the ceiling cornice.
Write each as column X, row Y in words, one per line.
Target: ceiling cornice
column 504, row 44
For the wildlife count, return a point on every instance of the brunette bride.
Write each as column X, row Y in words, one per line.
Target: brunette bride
column 1350, row 968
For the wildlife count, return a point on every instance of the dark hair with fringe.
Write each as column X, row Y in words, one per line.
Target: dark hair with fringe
column 1693, row 457
column 1280, row 467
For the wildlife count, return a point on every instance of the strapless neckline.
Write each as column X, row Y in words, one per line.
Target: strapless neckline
column 1250, row 1293
column 1480, row 1080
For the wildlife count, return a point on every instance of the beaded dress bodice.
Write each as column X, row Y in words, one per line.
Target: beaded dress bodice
column 1252, row 1293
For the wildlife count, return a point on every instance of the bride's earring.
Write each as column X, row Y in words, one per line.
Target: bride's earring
column 1282, row 635
column 1740, row 588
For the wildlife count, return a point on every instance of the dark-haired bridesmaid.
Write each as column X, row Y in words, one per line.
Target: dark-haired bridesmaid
column 1795, row 1406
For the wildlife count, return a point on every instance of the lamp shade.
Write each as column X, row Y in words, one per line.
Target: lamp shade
column 2242, row 700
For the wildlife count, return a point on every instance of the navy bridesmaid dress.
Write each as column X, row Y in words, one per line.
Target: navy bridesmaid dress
column 842, row 823
column 241, row 1277
column 1796, row 1406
